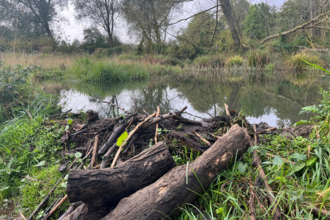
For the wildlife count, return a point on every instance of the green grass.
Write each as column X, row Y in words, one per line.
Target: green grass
column 114, row 70
column 28, row 159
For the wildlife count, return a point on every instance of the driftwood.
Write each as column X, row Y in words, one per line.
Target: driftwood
column 179, row 186
column 163, row 117
column 70, row 209
column 77, row 213
column 101, row 189
column 107, row 156
column 188, row 142
column 113, row 138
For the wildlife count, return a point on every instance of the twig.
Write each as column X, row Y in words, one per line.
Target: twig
column 97, row 166
column 217, row 137
column 56, row 207
column 44, row 200
column 126, row 112
column 44, row 86
column 129, row 136
column 22, row 216
column 27, row 111
column 227, row 110
column 256, row 163
column 60, row 114
column 156, row 132
column 203, row 139
column 94, row 150
column 70, row 209
column 251, row 202
column 324, row 213
column 269, row 129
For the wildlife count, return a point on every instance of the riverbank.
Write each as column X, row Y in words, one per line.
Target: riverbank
column 31, row 138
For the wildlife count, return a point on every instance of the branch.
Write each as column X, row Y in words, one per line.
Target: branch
column 294, row 29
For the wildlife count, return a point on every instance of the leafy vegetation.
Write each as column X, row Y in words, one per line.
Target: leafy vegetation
column 234, row 61
column 297, row 60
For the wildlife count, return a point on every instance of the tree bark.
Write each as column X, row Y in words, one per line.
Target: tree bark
column 229, row 14
column 112, row 139
column 101, row 189
column 162, row 199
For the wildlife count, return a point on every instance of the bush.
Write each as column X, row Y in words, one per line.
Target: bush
column 234, row 61
column 213, row 61
column 297, row 60
column 258, row 58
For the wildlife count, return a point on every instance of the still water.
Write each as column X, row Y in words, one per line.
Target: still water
column 276, row 100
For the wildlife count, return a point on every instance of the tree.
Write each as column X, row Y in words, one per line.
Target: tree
column 257, row 24
column 149, row 19
column 101, row 12
column 93, row 39
column 37, row 15
column 231, row 20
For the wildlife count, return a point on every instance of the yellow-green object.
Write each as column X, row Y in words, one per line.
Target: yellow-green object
column 122, row 138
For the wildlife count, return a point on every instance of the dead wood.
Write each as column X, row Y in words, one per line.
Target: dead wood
column 94, row 151
column 163, row 198
column 257, row 163
column 156, row 132
column 113, row 139
column 192, row 122
column 188, row 142
column 163, row 117
column 77, row 213
column 203, row 139
column 129, row 136
column 99, row 189
column 70, row 209
column 107, row 156
column 294, row 29
column 56, row 207
column 251, row 202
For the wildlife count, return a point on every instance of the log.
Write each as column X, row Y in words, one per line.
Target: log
column 100, row 189
column 163, row 117
column 162, row 199
column 112, row 139
column 189, row 142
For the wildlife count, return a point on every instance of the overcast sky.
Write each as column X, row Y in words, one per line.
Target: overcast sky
column 74, row 29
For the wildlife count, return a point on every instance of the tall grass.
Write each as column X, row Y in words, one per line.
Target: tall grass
column 106, row 70
column 297, row 60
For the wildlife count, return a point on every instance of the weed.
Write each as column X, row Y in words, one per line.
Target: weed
column 234, row 61
column 297, row 60
column 258, row 58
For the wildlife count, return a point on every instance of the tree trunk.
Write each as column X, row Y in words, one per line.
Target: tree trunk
column 229, row 14
column 102, row 189
column 110, row 40
column 182, row 185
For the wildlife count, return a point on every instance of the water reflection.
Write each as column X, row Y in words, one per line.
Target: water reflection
column 269, row 98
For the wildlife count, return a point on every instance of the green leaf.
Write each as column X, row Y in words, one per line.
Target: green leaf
column 316, row 66
column 298, row 156
column 242, row 167
column 4, row 186
column 311, row 161
column 277, row 161
column 298, row 167
column 302, row 122
column 41, row 163
column 70, row 121
column 64, row 185
column 251, row 149
column 122, row 138
column 78, row 155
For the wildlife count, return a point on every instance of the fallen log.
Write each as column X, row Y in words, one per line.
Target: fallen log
column 100, row 189
column 161, row 199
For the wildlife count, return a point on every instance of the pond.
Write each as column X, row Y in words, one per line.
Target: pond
column 274, row 99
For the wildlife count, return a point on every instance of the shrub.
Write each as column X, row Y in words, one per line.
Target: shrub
column 258, row 58
column 234, row 61
column 297, row 60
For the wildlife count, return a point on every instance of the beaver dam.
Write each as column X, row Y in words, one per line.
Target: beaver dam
column 143, row 165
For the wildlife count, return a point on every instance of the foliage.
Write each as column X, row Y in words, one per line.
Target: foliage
column 214, row 61
column 259, row 21
column 297, row 60
column 258, row 58
column 234, row 61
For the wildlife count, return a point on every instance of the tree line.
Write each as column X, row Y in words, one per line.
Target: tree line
column 224, row 25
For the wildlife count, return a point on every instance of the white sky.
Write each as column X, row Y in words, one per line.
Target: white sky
column 74, row 29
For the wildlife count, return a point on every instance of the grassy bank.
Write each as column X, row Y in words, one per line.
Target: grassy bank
column 28, row 159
